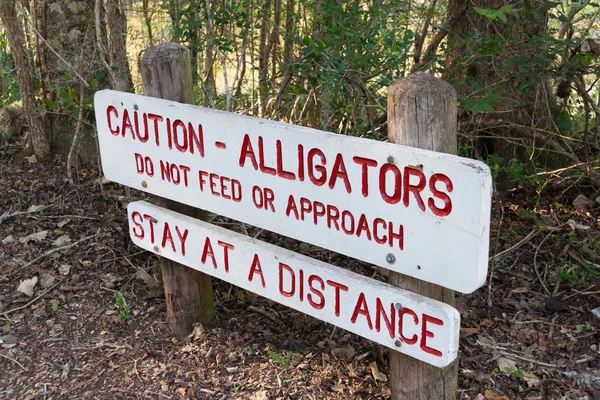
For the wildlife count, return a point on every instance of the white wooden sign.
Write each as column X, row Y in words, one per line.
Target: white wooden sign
column 417, row 212
column 410, row 323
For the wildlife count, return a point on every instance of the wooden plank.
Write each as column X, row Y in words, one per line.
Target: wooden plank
column 167, row 74
column 414, row 325
column 422, row 112
column 413, row 211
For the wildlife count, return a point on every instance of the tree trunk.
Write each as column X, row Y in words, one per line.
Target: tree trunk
column 263, row 55
column 116, row 19
column 16, row 38
column 511, row 89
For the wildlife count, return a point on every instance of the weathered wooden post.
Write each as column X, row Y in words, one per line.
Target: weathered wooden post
column 167, row 74
column 422, row 113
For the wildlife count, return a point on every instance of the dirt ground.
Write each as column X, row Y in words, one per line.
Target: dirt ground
column 529, row 333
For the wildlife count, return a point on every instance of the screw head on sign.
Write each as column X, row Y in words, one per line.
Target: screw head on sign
column 144, row 184
column 398, row 306
column 391, row 160
column 155, row 248
column 390, row 258
column 135, row 107
column 398, row 343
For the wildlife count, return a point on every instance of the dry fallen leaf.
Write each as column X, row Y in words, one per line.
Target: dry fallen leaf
column 32, row 159
column 379, row 376
column 47, row 280
column 36, row 237
column 344, row 353
column 505, row 363
column 8, row 239
column 63, row 222
column 65, row 372
column 575, row 226
column 489, row 395
column 61, row 241
column 26, row 286
column 583, row 203
column 148, row 279
column 64, row 269
column 34, row 208
column 260, row 395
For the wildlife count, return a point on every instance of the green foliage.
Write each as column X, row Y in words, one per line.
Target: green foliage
column 280, row 359
column 124, row 311
column 499, row 14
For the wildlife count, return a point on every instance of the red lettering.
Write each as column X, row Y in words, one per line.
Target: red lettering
column 280, row 171
column 139, row 163
column 291, row 292
column 155, row 119
column 447, row 208
column 185, row 174
column 365, row 163
column 152, row 223
column 291, row 207
column 208, row 252
column 363, row 225
column 415, row 189
column 182, row 147
column 339, row 170
column 261, row 159
column 427, row 334
column 333, row 214
column 338, row 287
column 223, row 180
column 395, row 197
column 350, row 230
column 401, row 313
column 226, row 247
column 379, row 239
column 398, row 236
column 361, row 308
column 318, row 211
column 305, row 207
column 196, row 139
column 256, row 269
column 112, row 110
column 168, row 236
column 246, row 152
column 201, row 180
column 138, row 225
column 389, row 321
column 301, row 163
column 141, row 138
column 316, row 292
column 126, row 124
column 320, row 181
column 182, row 238
column 269, row 198
column 213, row 184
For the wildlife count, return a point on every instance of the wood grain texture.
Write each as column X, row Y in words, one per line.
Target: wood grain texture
column 167, row 74
column 422, row 112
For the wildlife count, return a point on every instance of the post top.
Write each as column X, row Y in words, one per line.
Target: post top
column 163, row 52
column 420, row 83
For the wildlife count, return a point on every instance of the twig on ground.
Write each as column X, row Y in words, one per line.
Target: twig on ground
column 52, row 251
column 16, row 214
column 535, row 263
column 15, row 361
column 504, row 351
column 527, row 238
column 32, row 301
column 263, row 312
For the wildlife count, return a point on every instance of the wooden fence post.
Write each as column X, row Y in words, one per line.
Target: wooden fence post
column 422, row 113
column 167, row 74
